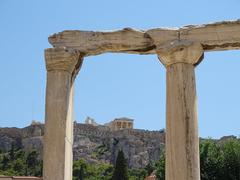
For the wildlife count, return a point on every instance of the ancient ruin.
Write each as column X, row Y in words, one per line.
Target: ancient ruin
column 120, row 123
column 116, row 124
column 180, row 50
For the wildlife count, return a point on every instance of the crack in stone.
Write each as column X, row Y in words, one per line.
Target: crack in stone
column 225, row 45
column 78, row 65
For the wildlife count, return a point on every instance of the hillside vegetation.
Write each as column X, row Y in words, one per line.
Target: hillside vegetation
column 220, row 160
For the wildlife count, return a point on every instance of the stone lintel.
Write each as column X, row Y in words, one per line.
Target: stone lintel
column 180, row 52
column 218, row 36
column 62, row 59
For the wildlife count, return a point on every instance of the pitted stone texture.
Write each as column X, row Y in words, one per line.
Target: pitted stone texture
column 180, row 52
column 57, row 156
column 182, row 144
column 61, row 59
column 218, row 36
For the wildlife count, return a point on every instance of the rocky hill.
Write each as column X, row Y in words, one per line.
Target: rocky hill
column 93, row 143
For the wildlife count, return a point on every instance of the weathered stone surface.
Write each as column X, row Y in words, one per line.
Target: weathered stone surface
column 213, row 37
column 182, row 144
column 93, row 43
column 61, row 66
column 217, row 36
column 180, row 52
column 62, row 59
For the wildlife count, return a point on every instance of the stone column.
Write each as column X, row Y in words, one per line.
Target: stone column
column 182, row 141
column 62, row 67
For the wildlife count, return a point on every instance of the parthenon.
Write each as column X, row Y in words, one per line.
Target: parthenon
column 180, row 50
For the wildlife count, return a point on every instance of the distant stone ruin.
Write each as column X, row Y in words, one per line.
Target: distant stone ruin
column 91, row 121
column 121, row 123
column 116, row 124
column 34, row 122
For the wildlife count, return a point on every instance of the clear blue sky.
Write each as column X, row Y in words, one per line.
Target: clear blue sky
column 114, row 85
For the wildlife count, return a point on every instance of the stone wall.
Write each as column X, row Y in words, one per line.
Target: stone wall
column 106, row 131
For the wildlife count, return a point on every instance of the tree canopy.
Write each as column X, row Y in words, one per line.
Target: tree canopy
column 219, row 160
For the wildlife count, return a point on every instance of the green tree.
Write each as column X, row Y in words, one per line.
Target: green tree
column 17, row 162
column 231, row 160
column 32, row 163
column 18, row 167
column 220, row 160
column 104, row 171
column 121, row 170
column 12, row 151
column 79, row 167
column 160, row 166
column 81, row 173
column 5, row 162
column 137, row 174
column 210, row 160
column 149, row 168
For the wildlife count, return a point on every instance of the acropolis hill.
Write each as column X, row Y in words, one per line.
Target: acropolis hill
column 93, row 142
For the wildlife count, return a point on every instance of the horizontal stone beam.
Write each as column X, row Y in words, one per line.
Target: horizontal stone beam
column 93, row 43
column 213, row 37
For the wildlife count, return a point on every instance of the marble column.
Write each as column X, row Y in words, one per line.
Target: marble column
column 62, row 66
column 182, row 141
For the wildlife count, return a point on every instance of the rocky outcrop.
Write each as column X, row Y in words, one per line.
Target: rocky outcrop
column 28, row 138
column 99, row 143
column 93, row 143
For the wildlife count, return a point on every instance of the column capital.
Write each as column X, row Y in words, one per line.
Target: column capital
column 62, row 59
column 180, row 51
